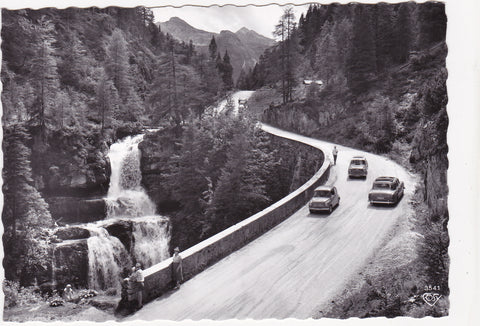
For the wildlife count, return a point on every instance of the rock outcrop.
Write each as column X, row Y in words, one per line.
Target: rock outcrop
column 123, row 231
column 71, row 210
column 156, row 149
column 73, row 173
column 71, row 263
column 72, row 233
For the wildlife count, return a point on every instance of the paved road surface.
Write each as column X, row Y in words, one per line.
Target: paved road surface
column 301, row 263
column 240, row 95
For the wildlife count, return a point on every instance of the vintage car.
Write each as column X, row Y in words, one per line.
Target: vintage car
column 325, row 198
column 358, row 167
column 386, row 190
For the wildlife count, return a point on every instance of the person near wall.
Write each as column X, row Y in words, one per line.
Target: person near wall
column 137, row 281
column 177, row 268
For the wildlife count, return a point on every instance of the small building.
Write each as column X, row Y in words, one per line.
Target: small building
column 311, row 81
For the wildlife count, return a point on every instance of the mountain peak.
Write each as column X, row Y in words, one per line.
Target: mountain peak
column 177, row 21
column 243, row 30
column 227, row 32
column 248, row 34
column 244, row 47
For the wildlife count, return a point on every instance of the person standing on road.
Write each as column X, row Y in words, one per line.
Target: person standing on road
column 335, row 153
column 177, row 267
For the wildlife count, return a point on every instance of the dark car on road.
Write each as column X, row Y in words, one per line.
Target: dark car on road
column 386, row 190
column 325, row 198
column 358, row 167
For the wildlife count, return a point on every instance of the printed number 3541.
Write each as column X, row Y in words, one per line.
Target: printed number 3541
column 432, row 288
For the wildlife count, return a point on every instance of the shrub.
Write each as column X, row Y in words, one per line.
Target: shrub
column 111, row 291
column 16, row 295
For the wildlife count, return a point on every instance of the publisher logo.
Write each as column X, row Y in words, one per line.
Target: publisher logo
column 431, row 298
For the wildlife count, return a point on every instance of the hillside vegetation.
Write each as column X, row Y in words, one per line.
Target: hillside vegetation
column 220, row 170
column 74, row 81
column 384, row 91
column 77, row 80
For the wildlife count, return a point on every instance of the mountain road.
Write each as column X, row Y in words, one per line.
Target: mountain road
column 300, row 264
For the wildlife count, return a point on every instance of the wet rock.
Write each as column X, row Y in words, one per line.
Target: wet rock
column 72, row 233
column 69, row 210
column 71, row 263
column 123, row 231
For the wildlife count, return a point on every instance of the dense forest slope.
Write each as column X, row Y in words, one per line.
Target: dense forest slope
column 220, row 171
column 74, row 81
column 77, row 80
column 384, row 91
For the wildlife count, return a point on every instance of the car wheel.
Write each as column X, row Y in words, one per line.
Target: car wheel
column 311, row 212
column 330, row 209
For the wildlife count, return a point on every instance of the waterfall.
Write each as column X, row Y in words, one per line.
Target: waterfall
column 54, row 274
column 127, row 201
column 151, row 236
column 126, row 197
column 107, row 257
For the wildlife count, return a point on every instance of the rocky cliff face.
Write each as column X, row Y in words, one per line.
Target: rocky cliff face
column 156, row 149
column 429, row 156
column 72, row 172
column 71, row 263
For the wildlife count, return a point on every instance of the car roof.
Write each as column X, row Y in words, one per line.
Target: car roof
column 328, row 188
column 385, row 179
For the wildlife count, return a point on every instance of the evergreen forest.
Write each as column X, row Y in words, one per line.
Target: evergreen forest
column 371, row 77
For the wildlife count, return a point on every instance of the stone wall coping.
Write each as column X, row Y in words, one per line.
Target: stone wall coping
column 223, row 234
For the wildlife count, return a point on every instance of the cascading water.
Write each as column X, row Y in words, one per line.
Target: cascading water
column 152, row 237
column 126, row 201
column 126, row 197
column 107, row 258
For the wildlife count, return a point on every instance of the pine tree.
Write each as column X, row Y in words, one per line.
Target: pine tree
column 25, row 214
column 117, row 64
column 433, row 23
column 385, row 36
column 227, row 72
column 44, row 72
column 106, row 101
column 361, row 59
column 242, row 80
column 403, row 38
column 191, row 165
column 285, row 30
column 212, row 49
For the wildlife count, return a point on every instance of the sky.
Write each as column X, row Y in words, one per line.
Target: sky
column 261, row 19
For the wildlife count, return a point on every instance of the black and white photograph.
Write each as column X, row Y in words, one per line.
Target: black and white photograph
column 237, row 160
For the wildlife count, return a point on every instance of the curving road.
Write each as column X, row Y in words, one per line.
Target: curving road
column 239, row 95
column 301, row 263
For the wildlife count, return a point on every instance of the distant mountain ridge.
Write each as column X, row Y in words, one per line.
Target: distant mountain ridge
column 244, row 46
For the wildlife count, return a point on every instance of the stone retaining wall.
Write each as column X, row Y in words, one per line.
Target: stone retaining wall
column 158, row 278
